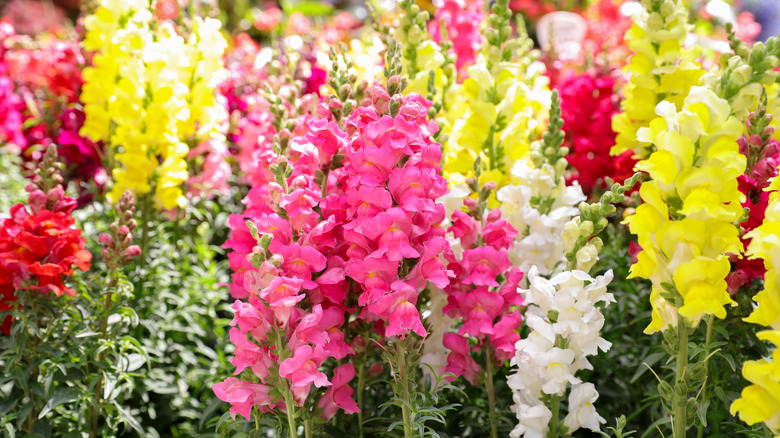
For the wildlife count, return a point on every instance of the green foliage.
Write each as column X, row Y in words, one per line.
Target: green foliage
column 12, row 181
column 70, row 364
column 182, row 305
column 423, row 401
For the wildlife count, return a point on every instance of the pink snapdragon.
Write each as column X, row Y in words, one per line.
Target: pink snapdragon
column 390, row 228
column 484, row 293
column 242, row 396
column 343, row 222
column 459, row 361
column 461, row 19
column 339, row 395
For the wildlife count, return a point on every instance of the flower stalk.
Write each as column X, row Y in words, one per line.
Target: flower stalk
column 680, row 402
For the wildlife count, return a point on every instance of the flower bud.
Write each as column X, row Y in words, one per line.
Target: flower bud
column 586, row 228
column 571, row 232
column 106, row 239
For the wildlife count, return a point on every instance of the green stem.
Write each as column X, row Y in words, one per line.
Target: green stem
column 404, row 378
column 707, row 341
column 292, row 431
column 308, row 428
column 98, row 395
column 360, row 388
column 490, row 390
column 555, row 407
column 680, row 403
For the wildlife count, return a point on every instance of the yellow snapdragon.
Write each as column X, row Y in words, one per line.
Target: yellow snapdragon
column 150, row 94
column 661, row 69
column 685, row 225
column 760, row 401
column 503, row 109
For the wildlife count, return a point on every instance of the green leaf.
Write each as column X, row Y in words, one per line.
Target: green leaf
column 9, row 403
column 702, row 412
column 650, row 360
column 62, row 396
column 134, row 362
column 87, row 334
column 129, row 419
column 652, row 427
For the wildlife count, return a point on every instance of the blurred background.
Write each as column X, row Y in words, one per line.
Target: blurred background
column 760, row 19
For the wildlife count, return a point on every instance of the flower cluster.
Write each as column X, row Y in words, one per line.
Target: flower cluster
column 145, row 73
column 565, row 325
column 421, row 54
column 40, row 245
column 760, row 402
column 686, row 224
column 483, row 294
column 761, row 152
column 117, row 248
column 539, row 203
column 661, row 69
column 40, row 82
column 459, row 21
column 588, row 102
column 506, row 100
column 349, row 223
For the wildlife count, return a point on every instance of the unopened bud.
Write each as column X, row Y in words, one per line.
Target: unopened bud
column 132, row 251
column 106, row 239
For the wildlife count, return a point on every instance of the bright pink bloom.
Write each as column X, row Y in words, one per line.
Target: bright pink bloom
column 403, row 320
column 282, row 296
column 303, row 368
column 509, row 290
column 431, row 267
column 367, row 202
column 465, row 228
column 308, row 330
column 242, row 396
column 499, row 234
column 479, row 308
column 302, row 262
column 375, row 274
column 372, row 164
column 459, row 361
column 397, row 134
column 391, row 231
column 409, row 188
column 484, row 264
column 505, row 335
column 327, row 137
column 252, row 319
column 339, row 395
column 331, row 323
column 249, row 355
column 299, row 206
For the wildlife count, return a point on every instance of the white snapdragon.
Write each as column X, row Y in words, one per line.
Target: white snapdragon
column 565, row 325
column 539, row 240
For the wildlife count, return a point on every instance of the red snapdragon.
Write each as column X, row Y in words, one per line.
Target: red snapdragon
column 39, row 243
column 588, row 102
